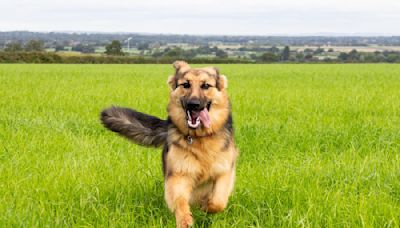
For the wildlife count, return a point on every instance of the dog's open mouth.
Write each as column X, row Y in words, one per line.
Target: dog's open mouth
column 197, row 117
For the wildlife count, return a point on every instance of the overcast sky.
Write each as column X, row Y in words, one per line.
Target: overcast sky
column 226, row 17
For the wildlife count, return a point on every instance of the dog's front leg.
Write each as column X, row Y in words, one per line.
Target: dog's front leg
column 223, row 187
column 178, row 189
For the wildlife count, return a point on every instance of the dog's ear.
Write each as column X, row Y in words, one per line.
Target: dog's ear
column 172, row 82
column 222, row 82
column 181, row 67
column 216, row 70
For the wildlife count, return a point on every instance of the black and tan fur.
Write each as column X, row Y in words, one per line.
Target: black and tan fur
column 198, row 164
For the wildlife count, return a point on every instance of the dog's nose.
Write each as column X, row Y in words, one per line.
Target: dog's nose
column 193, row 104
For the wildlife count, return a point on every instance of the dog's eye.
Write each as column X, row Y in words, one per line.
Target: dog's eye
column 186, row 85
column 205, row 86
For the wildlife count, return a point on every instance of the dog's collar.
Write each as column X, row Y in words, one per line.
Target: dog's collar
column 190, row 139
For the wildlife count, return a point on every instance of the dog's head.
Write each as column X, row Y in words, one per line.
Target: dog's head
column 199, row 103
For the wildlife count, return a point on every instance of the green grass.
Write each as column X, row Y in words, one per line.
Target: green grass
column 320, row 146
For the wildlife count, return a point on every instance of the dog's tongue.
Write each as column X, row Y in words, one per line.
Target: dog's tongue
column 204, row 118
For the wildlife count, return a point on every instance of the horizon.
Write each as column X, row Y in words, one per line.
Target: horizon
column 317, row 34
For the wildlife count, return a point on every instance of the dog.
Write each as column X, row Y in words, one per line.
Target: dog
column 199, row 154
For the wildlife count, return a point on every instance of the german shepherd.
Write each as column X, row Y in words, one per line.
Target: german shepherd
column 199, row 153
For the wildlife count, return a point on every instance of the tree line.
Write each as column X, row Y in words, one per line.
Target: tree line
column 49, row 57
column 33, row 52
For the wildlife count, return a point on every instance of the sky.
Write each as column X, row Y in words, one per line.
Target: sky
column 205, row 17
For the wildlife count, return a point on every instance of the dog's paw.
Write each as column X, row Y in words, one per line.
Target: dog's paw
column 185, row 221
column 213, row 207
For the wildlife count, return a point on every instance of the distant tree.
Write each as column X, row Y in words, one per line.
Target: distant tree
column 308, row 57
column 300, row 56
column 34, row 45
column 83, row 48
column 319, row 51
column 274, row 50
column 343, row 56
column 59, row 48
column 392, row 58
column 292, row 58
column 175, row 52
column 286, row 53
column 331, row 50
column 308, row 51
column 253, row 56
column 204, row 50
column 143, row 46
column 269, row 57
column 114, row 48
column 189, row 54
column 361, row 58
column 13, row 47
column 221, row 54
column 353, row 55
column 380, row 57
column 370, row 57
column 157, row 53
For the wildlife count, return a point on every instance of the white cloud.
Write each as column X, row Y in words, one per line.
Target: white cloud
column 203, row 17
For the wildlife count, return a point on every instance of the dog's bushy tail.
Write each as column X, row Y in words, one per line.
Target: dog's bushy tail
column 141, row 128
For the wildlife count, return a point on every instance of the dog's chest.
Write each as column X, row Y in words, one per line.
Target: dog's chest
column 201, row 162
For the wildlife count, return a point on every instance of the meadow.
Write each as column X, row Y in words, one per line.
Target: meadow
column 319, row 146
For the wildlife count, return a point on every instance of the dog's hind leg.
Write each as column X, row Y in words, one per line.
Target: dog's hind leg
column 178, row 190
column 218, row 199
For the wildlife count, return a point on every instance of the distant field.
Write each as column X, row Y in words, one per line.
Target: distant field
column 371, row 48
column 319, row 147
column 233, row 50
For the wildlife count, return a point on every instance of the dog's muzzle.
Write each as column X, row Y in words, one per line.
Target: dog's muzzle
column 197, row 113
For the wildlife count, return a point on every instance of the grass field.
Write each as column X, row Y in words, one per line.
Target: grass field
column 320, row 146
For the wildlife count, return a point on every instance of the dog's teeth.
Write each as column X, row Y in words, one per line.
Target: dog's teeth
column 193, row 122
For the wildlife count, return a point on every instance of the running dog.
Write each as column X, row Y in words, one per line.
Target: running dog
column 199, row 154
